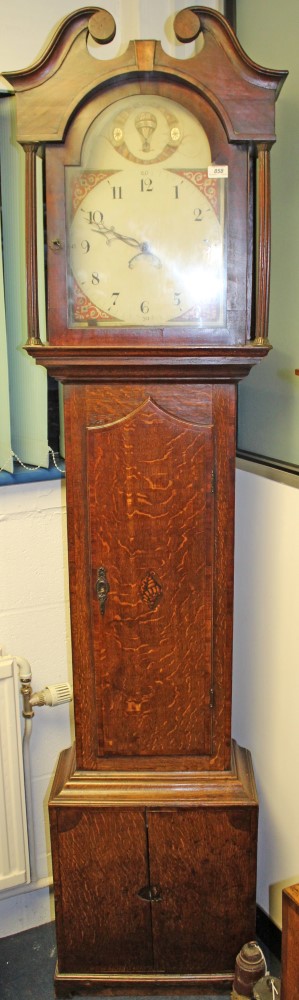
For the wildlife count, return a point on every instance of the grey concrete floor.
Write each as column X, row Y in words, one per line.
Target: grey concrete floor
column 27, row 963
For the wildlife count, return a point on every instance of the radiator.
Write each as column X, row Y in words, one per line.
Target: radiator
column 14, row 852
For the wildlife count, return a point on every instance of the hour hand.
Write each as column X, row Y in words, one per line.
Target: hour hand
column 145, row 251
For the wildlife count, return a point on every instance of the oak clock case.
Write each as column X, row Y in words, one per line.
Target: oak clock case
column 153, row 317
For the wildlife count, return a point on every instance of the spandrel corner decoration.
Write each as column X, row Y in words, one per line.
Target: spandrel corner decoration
column 156, row 170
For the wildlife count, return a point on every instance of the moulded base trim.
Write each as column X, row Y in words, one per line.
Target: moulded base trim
column 140, row 983
column 156, row 788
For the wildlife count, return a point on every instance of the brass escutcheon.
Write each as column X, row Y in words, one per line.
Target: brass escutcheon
column 102, row 588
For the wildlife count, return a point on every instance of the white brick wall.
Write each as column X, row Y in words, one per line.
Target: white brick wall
column 34, row 623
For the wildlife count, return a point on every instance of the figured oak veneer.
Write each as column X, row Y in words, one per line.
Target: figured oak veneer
column 190, row 839
column 146, row 683
column 152, row 650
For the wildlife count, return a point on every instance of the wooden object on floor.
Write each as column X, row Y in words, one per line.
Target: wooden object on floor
column 290, row 944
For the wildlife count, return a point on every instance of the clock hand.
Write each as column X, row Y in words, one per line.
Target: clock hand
column 111, row 234
column 145, row 252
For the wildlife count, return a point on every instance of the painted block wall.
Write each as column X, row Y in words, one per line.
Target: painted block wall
column 34, row 622
column 265, row 670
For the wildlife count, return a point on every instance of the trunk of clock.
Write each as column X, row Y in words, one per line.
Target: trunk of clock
column 150, row 499
column 154, row 830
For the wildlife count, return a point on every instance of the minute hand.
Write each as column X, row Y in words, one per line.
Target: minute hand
column 111, row 234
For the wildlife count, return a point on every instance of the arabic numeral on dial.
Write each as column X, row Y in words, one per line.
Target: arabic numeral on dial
column 93, row 217
column 146, row 184
column 114, row 297
column 177, row 298
column 85, row 246
column 144, row 307
column 95, row 278
column 197, row 215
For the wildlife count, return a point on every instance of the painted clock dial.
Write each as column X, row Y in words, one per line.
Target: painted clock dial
column 145, row 221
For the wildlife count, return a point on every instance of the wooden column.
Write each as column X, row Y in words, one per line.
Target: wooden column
column 31, row 245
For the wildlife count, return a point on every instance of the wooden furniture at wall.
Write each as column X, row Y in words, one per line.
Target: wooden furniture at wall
column 154, row 814
column 290, row 944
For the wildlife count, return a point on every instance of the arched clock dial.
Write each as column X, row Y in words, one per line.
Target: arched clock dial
column 146, row 223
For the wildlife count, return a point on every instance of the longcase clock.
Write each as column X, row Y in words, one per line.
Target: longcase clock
column 156, row 171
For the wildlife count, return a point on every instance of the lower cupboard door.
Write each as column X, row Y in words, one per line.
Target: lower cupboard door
column 102, row 922
column 203, row 869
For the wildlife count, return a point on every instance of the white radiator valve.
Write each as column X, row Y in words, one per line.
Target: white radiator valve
column 53, row 694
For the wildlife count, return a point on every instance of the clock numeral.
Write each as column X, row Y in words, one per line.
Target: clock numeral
column 177, row 298
column 114, row 297
column 96, row 217
column 116, row 192
column 144, row 307
column 177, row 189
column 146, row 184
column 85, row 246
column 95, row 278
column 197, row 215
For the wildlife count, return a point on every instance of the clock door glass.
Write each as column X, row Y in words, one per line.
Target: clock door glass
column 145, row 221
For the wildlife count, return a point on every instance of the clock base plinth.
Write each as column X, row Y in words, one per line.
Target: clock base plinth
column 67, row 984
column 154, row 876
